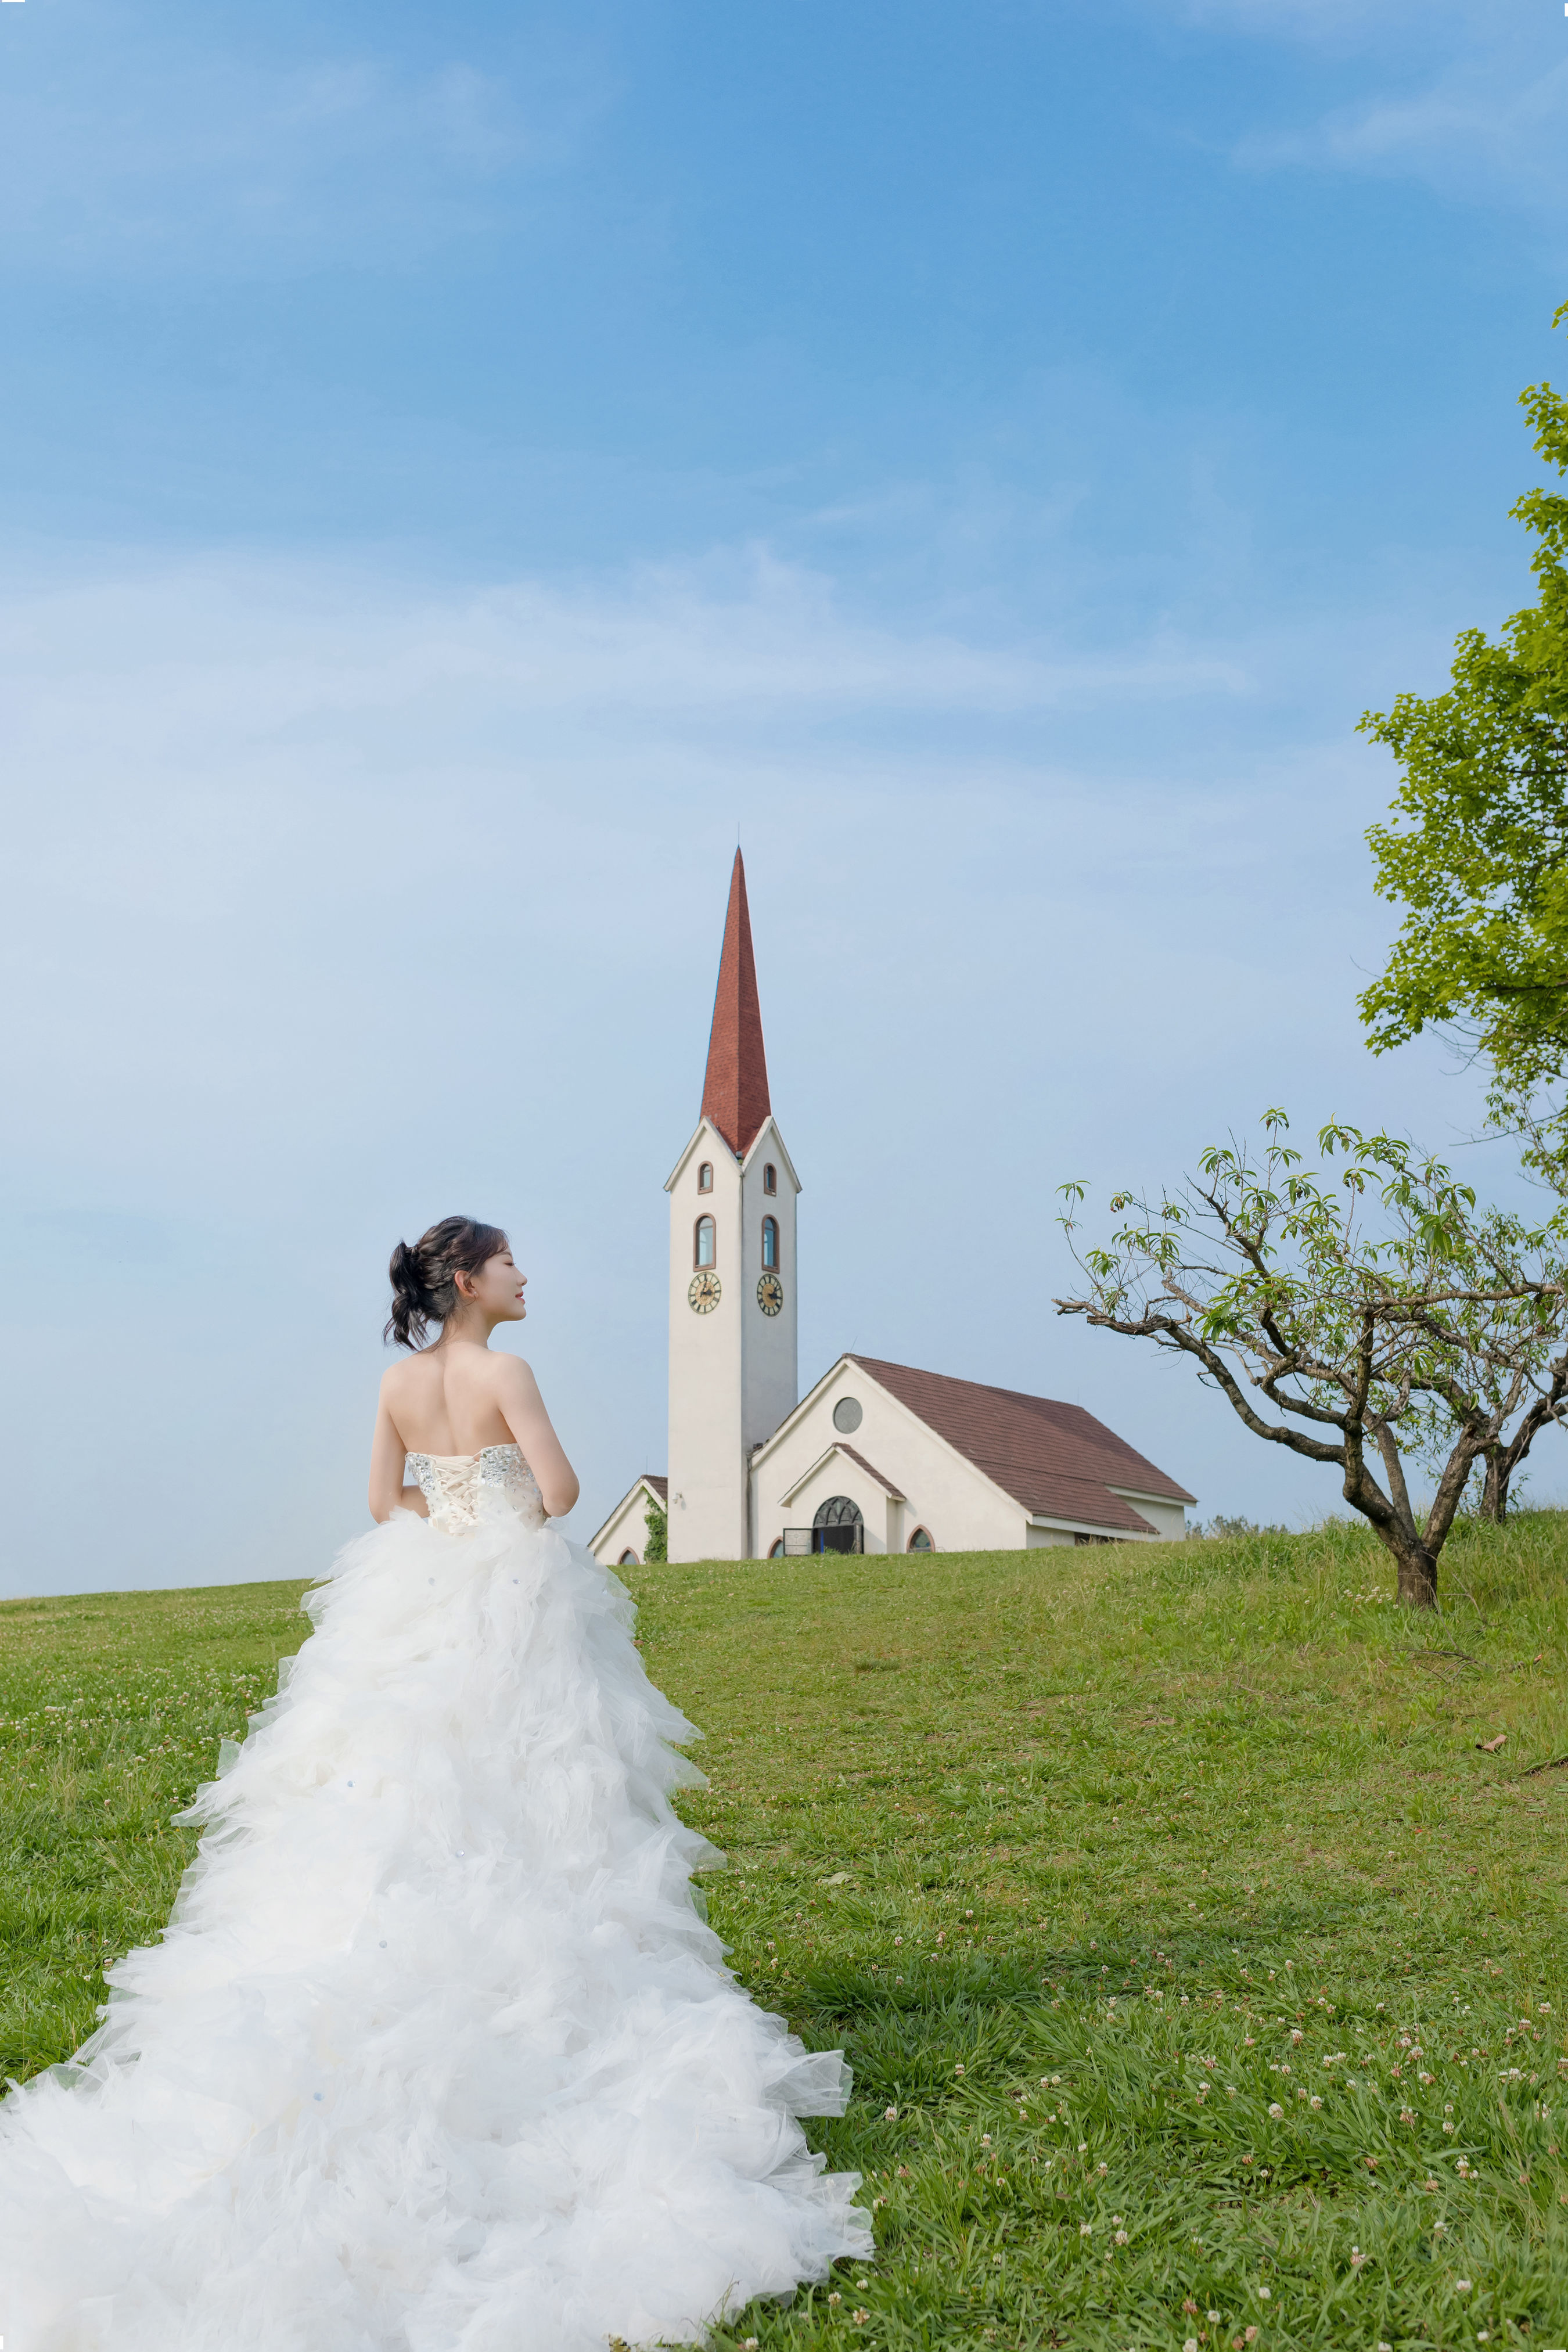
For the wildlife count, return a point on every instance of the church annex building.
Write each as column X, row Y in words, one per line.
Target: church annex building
column 878, row 1456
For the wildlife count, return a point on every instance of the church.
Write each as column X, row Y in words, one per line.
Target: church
column 876, row 1456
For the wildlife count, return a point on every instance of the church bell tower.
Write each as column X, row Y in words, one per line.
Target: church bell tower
column 733, row 1326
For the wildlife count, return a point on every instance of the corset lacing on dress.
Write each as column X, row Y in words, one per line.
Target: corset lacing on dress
column 461, row 1488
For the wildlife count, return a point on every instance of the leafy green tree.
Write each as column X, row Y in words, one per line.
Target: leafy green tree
column 1377, row 1315
column 1480, row 860
column 657, row 1522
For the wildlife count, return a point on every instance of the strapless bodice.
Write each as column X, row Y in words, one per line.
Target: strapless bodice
column 461, row 1488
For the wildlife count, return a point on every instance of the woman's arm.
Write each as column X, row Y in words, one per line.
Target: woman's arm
column 387, row 1456
column 522, row 1409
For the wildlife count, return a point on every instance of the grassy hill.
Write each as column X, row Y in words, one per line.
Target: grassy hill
column 1202, row 1968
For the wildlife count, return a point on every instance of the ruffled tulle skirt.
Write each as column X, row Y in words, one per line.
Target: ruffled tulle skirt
column 437, row 2050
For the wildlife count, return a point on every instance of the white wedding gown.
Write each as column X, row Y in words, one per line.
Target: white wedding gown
column 436, row 2052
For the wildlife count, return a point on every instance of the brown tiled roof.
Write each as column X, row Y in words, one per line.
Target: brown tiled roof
column 660, row 1486
column 735, row 1090
column 1054, row 1459
column 871, row 1470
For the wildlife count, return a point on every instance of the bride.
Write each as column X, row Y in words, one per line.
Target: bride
column 436, row 2052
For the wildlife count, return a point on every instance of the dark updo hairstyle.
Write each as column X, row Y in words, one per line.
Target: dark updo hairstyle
column 424, row 1274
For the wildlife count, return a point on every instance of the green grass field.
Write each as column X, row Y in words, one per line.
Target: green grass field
column 1201, row 1970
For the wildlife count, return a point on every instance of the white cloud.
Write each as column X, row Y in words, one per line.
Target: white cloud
column 1345, row 26
column 757, row 638
column 1489, row 126
column 137, row 155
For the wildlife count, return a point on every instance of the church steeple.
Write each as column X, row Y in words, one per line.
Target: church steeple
column 734, row 1273
column 735, row 1090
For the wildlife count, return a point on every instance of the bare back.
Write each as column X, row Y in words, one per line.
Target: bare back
column 458, row 1398
column 448, row 1399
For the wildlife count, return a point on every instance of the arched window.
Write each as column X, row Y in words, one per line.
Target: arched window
column 770, row 1241
column 704, row 1251
column 770, row 1178
column 920, row 1541
column 705, row 1177
column 776, row 1550
column 838, row 1525
column 628, row 1559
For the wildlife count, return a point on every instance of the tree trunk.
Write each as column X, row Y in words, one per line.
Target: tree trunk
column 1418, row 1575
column 1494, row 1489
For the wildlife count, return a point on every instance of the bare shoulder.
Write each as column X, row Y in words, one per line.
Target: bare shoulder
column 513, row 1376
column 405, row 1378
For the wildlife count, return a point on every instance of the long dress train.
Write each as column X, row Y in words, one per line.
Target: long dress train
column 436, row 2052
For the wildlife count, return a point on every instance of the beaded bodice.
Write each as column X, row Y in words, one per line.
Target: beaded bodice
column 462, row 1488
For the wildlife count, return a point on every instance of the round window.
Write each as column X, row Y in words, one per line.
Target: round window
column 848, row 1415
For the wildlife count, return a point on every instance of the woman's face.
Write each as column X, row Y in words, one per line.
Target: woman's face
column 498, row 1287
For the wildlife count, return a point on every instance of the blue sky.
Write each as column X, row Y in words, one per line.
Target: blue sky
column 463, row 464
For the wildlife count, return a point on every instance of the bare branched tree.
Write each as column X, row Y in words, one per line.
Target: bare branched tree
column 1378, row 1315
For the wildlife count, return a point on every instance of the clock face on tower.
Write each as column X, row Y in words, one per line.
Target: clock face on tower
column 770, row 1293
column 703, row 1293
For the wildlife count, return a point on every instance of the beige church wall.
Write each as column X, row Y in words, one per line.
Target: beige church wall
column 957, row 1505
column 1033, row 1538
column 732, row 1371
column 707, row 1515
column 838, row 1476
column 1169, row 1519
column 627, row 1531
column 770, row 1368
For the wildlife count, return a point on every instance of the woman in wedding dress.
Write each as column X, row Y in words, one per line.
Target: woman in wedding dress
column 436, row 2052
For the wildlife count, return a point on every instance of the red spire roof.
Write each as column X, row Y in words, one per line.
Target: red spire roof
column 735, row 1091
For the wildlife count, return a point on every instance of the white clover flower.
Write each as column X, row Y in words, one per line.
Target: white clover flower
column 1275, row 2109
column 1463, row 2285
column 1086, row 2228
column 889, row 2115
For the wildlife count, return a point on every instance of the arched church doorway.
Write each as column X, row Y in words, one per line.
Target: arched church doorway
column 838, row 1525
